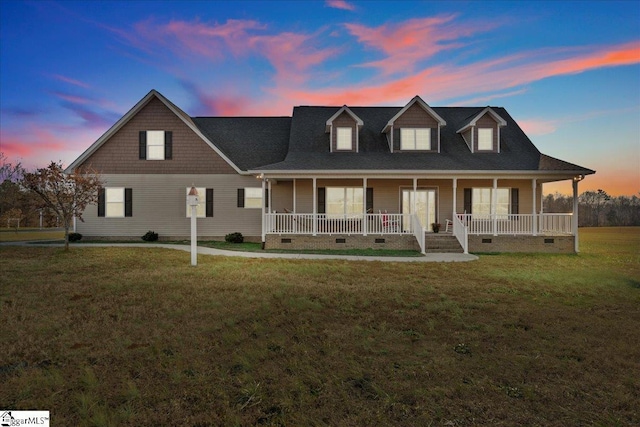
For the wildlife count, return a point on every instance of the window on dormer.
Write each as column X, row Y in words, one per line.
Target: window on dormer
column 345, row 141
column 485, row 139
column 415, row 139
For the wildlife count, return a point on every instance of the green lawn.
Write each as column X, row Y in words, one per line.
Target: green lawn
column 128, row 336
column 11, row 235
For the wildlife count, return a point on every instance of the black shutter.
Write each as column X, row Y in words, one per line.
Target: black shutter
column 241, row 197
column 143, row 145
column 209, row 202
column 467, row 200
column 101, row 202
column 321, row 200
column 515, row 203
column 168, row 145
column 266, row 198
column 369, row 207
column 128, row 202
column 434, row 139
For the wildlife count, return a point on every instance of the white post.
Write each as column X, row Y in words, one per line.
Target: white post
column 294, row 195
column 264, row 235
column 534, row 186
column 364, row 206
column 455, row 190
column 315, row 208
column 494, row 205
column 269, row 199
column 574, row 219
column 192, row 200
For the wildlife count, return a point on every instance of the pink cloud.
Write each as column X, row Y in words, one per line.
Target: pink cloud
column 340, row 4
column 409, row 42
column 533, row 127
column 70, row 81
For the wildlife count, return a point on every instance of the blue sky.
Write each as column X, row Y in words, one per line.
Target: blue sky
column 568, row 72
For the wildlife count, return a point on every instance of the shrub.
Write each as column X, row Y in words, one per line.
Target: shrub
column 150, row 236
column 74, row 237
column 234, row 238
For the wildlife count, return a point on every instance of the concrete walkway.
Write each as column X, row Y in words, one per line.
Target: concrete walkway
column 439, row 257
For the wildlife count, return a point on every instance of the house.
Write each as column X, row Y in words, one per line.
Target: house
column 330, row 177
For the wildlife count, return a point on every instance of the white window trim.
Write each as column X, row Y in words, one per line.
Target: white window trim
column 409, row 143
column 257, row 198
column 484, row 130
column 107, row 204
column 201, row 209
column 151, row 142
column 344, row 146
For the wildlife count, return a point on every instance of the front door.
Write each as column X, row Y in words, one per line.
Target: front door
column 425, row 206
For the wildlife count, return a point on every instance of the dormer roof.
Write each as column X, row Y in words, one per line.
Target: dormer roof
column 423, row 105
column 347, row 110
column 471, row 121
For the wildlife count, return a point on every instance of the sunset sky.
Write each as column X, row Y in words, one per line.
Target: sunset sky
column 568, row 72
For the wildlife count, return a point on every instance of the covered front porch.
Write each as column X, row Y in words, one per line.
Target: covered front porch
column 400, row 210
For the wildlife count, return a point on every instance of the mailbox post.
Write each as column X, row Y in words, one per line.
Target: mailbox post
column 192, row 201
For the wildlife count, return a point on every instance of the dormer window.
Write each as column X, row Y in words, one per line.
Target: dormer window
column 485, row 139
column 344, row 138
column 415, row 139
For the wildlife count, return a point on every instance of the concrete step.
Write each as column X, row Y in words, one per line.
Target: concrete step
column 441, row 243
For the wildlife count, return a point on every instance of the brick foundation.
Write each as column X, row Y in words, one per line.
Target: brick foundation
column 537, row 244
column 339, row 241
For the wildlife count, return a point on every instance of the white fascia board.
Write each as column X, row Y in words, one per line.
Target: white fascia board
column 132, row 112
column 423, row 105
column 433, row 174
column 496, row 117
column 344, row 108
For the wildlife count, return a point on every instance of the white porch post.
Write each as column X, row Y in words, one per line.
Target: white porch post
column 269, row 198
column 263, row 210
column 294, row 195
column 534, row 186
column 315, row 208
column 574, row 218
column 494, row 205
column 364, row 206
column 455, row 188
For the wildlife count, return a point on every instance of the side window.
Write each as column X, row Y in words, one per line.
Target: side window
column 155, row 145
column 115, row 202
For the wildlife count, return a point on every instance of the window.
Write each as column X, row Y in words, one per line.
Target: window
column 114, row 202
column 344, row 139
column 415, row 138
column 250, row 198
column 485, row 139
column 344, row 201
column 481, row 201
column 156, row 145
column 202, row 202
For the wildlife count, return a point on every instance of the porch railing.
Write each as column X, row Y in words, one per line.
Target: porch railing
column 461, row 231
column 307, row 223
column 511, row 224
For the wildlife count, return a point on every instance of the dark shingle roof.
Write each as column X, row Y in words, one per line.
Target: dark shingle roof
column 249, row 142
column 309, row 144
column 301, row 143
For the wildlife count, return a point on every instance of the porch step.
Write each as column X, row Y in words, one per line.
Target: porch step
column 441, row 243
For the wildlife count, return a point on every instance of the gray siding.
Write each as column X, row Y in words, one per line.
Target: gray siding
column 159, row 204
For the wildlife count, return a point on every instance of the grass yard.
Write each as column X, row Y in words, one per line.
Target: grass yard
column 11, row 235
column 127, row 336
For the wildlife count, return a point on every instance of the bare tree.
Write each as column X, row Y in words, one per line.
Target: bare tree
column 67, row 195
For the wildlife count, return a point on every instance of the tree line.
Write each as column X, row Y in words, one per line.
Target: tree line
column 597, row 208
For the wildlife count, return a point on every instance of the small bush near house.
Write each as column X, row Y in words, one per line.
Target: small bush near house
column 234, row 238
column 150, row 236
column 74, row 237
